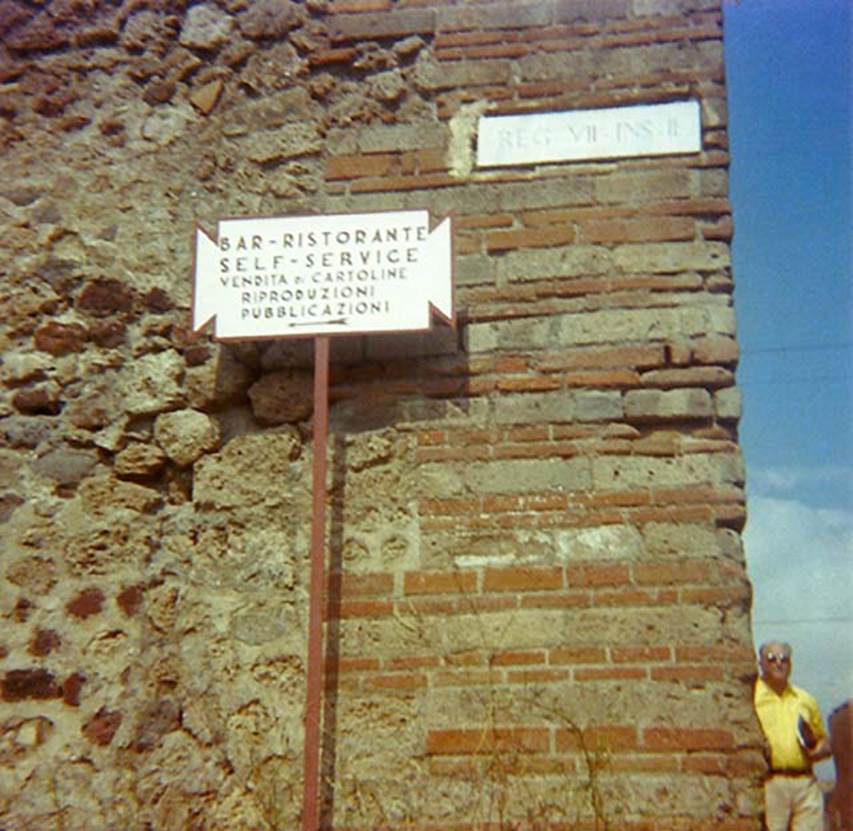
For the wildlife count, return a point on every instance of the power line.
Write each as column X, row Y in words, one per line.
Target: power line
column 791, row 379
column 806, row 620
column 807, row 347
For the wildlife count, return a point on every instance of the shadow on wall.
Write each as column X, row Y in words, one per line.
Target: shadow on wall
column 375, row 381
column 332, row 649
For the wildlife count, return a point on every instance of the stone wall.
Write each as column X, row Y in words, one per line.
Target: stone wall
column 537, row 610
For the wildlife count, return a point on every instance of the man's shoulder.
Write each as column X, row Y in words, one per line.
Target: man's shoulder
column 762, row 688
column 803, row 695
column 762, row 695
column 764, row 692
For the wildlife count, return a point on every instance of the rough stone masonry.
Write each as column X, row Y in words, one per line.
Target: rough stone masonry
column 537, row 610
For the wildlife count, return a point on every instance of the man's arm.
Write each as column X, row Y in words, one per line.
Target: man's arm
column 822, row 750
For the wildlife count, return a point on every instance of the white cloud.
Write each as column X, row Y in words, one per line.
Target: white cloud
column 787, row 480
column 800, row 559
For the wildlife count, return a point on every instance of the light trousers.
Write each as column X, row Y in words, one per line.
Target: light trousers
column 793, row 803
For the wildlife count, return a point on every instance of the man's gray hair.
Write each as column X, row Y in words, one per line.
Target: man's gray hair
column 763, row 648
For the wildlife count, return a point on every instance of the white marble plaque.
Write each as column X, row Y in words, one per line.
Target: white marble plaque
column 620, row 132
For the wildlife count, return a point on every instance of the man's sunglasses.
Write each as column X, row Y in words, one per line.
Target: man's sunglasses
column 778, row 659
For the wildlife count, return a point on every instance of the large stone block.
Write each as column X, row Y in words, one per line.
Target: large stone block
column 554, row 192
column 399, row 23
column 433, row 76
column 728, row 404
column 673, row 257
column 536, row 408
column 599, row 406
column 663, row 405
column 601, row 327
column 669, row 539
column 558, row 262
column 603, row 542
column 519, row 15
column 695, row 469
column 571, row 11
column 527, row 476
column 645, row 186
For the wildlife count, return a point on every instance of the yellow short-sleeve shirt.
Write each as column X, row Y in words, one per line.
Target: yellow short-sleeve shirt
column 778, row 715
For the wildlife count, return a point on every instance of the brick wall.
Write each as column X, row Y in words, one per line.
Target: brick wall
column 537, row 607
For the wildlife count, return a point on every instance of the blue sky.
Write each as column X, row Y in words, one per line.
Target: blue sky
column 789, row 84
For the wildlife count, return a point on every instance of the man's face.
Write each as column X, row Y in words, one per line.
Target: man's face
column 776, row 663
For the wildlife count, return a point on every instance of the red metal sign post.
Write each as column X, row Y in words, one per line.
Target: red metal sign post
column 272, row 277
column 313, row 708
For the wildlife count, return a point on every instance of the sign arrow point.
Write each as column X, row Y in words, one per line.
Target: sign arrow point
column 205, row 296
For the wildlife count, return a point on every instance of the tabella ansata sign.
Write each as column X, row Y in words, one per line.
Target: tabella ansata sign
column 612, row 133
column 311, row 275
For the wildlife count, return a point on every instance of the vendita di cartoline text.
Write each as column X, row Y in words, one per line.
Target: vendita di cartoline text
column 260, row 279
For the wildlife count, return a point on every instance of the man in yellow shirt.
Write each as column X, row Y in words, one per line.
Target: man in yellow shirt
column 796, row 737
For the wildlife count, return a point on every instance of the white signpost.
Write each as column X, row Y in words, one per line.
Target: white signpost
column 311, row 275
column 613, row 133
column 321, row 275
